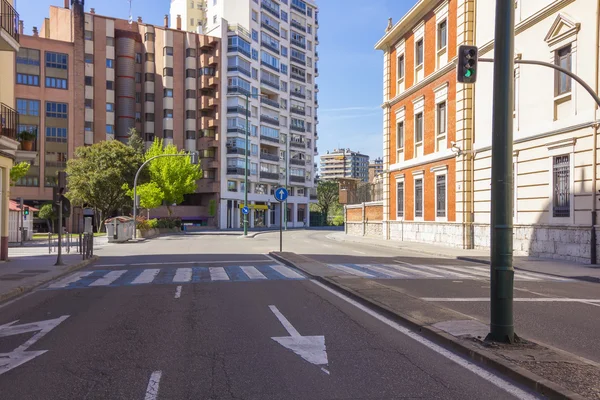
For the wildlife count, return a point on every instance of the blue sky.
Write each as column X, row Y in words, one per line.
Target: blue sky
column 350, row 70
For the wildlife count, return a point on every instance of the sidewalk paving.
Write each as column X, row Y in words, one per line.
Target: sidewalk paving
column 561, row 268
column 23, row 274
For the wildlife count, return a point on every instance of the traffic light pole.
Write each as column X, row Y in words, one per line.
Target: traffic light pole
column 59, row 260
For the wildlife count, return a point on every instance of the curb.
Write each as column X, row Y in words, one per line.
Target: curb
column 524, row 377
column 20, row 290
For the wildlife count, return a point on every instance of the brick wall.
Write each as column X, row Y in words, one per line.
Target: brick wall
column 374, row 212
column 354, row 214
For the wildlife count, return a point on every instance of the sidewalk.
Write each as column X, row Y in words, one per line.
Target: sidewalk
column 562, row 268
column 23, row 274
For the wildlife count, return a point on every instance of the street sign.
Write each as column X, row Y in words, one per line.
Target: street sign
column 245, row 210
column 281, row 194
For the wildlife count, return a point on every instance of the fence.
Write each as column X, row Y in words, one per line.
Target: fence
column 82, row 244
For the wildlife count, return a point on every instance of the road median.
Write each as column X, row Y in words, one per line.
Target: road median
column 543, row 369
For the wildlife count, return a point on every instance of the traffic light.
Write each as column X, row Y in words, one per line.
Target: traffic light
column 26, row 211
column 466, row 68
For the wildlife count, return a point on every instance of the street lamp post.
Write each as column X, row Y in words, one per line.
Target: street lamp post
column 246, row 169
column 194, row 161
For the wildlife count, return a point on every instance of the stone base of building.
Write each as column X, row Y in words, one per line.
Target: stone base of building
column 439, row 233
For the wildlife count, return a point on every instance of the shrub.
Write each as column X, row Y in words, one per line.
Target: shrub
column 338, row 220
column 169, row 223
column 153, row 223
column 141, row 223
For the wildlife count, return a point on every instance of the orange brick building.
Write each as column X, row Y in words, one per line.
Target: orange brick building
column 422, row 124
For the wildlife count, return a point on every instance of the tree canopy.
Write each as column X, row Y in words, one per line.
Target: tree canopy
column 135, row 141
column 18, row 171
column 328, row 196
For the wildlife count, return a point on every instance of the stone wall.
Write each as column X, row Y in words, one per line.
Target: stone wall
column 354, row 228
column 438, row 233
column 374, row 229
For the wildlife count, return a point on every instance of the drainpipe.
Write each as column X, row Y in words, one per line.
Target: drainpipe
column 593, row 255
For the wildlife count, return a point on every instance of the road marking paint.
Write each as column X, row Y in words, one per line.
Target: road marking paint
column 70, row 279
column 183, row 275
column 351, row 271
column 286, row 324
column 520, row 299
column 218, row 274
column 464, row 270
column 253, row 273
column 182, row 263
column 385, row 271
column 519, row 276
column 152, row 389
column 324, row 370
column 447, row 273
column 488, row 376
column 108, row 278
column 414, row 270
column 287, row 272
column 359, row 252
column 147, row 276
column 178, row 292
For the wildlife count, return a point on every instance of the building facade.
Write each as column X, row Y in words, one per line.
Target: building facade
column 344, row 163
column 375, row 169
column 191, row 13
column 96, row 82
column 270, row 80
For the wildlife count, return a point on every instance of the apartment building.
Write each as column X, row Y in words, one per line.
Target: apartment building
column 96, row 82
column 9, row 46
column 191, row 12
column 271, row 65
column 375, row 169
column 344, row 163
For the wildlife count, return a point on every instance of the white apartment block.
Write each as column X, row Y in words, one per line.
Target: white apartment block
column 271, row 61
column 555, row 128
column 191, row 12
column 344, row 163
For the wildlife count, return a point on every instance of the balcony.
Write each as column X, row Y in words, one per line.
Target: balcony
column 298, row 77
column 297, row 60
column 271, row 67
column 208, row 41
column 295, row 161
column 317, row 39
column 316, row 55
column 297, row 110
column 298, row 26
column 10, row 120
column 274, row 176
column 9, row 32
column 270, row 9
column 208, row 122
column 270, row 46
column 241, row 70
column 235, row 171
column 240, row 31
column 236, row 150
column 208, row 186
column 296, row 8
column 269, row 157
column 236, row 129
column 269, row 139
column 239, row 49
column 269, row 102
column 298, row 179
column 204, row 105
column 297, row 128
column 206, row 142
column 213, row 101
column 270, row 120
column 300, row 145
column 237, row 110
column 316, row 87
column 270, row 28
column 298, row 43
column 274, row 85
column 213, row 81
column 297, row 94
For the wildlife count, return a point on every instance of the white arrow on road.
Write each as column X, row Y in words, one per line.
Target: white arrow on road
column 20, row 355
column 311, row 348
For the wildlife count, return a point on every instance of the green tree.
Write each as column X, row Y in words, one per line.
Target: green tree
column 328, row 196
column 18, row 171
column 47, row 213
column 135, row 141
column 151, row 196
column 97, row 176
column 174, row 176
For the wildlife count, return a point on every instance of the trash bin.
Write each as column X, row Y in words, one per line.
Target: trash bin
column 119, row 229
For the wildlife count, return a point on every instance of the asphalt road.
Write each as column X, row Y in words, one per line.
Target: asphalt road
column 214, row 318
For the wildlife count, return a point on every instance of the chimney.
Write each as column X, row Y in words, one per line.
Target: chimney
column 139, row 20
column 20, row 27
column 92, row 11
column 166, row 20
column 35, row 31
column 67, row 4
column 178, row 22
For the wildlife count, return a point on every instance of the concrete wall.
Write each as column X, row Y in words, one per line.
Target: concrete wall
column 443, row 234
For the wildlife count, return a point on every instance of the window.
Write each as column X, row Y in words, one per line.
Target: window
column 167, row 71
column 89, row 81
column 440, row 196
column 400, row 135
column 419, row 53
column 284, row 16
column 29, row 80
column 110, row 107
column 168, row 51
column 88, row 126
column 441, row 120
column 561, row 181
column 190, row 134
column 419, row 198
column 110, row 63
column 442, row 33
column 167, row 113
column 138, row 97
column 149, row 117
column 138, row 77
column 110, row 129
column 28, row 107
column 168, row 133
column 56, row 134
column 89, row 58
column 254, row 54
column 149, row 97
column 190, row 94
column 191, row 21
column 254, row 73
column 150, row 57
column 110, row 41
column 149, row 77
column 284, row 33
column 562, row 82
column 254, row 149
column 401, row 67
column 56, row 110
column 190, row 73
column 89, row 103
column 56, row 83
column 190, row 114
column 138, row 58
column 254, row 16
column 138, row 116
column 88, row 35
column 231, row 186
column 27, row 56
column 110, row 85
column 254, row 35
column 284, row 51
column 190, row 52
column 148, row 36
column 56, row 60
column 400, row 199
column 214, row 19
column 419, row 128
column 167, row 92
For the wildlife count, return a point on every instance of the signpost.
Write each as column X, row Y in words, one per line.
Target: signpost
column 281, row 194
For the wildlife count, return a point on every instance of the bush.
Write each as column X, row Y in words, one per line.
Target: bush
column 169, row 223
column 141, row 223
column 338, row 220
column 153, row 223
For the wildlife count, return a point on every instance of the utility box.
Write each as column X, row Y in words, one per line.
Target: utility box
column 119, row 229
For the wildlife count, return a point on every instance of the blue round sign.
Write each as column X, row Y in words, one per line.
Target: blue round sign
column 245, row 210
column 281, row 194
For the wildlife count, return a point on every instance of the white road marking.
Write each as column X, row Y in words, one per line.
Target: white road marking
column 70, row 279
column 351, row 271
column 519, row 276
column 183, row 275
column 287, row 272
column 463, row 270
column 182, row 262
column 147, row 276
column 178, row 292
column 488, row 376
column 324, row 370
column 385, row 271
column 152, row 389
column 108, row 278
column 218, row 274
column 359, row 252
column 414, row 270
column 520, row 299
column 253, row 273
column 446, row 272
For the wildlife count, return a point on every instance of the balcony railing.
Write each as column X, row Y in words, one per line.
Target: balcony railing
column 269, row 139
column 298, row 77
column 299, row 111
column 298, row 60
column 10, row 120
column 301, row 145
column 272, row 67
column 237, row 90
column 269, row 83
column 298, row 26
column 269, row 8
column 269, row 102
column 270, row 120
column 237, row 110
column 231, row 49
column 300, row 10
column 240, row 30
column 236, row 150
column 297, row 94
column 240, row 69
column 269, row 175
column 298, row 43
column 269, row 157
column 295, row 161
column 270, row 28
column 300, row 179
column 269, row 46
column 298, row 128
column 235, row 171
column 9, row 19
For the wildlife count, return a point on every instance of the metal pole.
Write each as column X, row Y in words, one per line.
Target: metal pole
column 502, row 271
column 22, row 236
column 59, row 254
column 280, row 227
column 246, row 169
column 287, row 174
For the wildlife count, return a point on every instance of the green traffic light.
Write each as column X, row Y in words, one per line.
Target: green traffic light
column 468, row 73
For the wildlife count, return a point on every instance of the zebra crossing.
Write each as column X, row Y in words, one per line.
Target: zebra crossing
column 403, row 270
column 139, row 276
